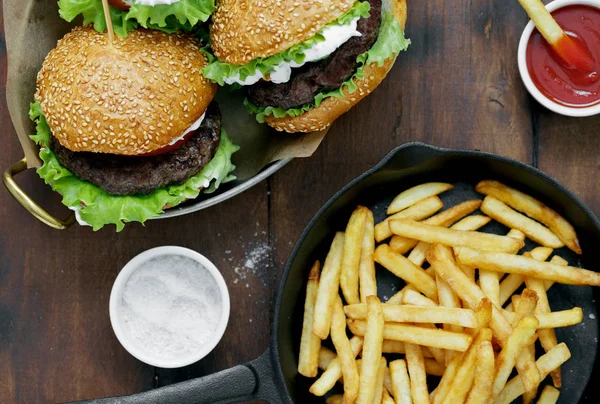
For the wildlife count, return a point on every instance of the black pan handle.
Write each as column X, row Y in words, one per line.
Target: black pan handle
column 251, row 381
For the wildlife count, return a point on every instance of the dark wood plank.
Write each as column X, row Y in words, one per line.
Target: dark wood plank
column 568, row 150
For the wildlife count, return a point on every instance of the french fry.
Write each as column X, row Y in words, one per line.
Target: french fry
column 555, row 319
column 417, row 255
column 416, row 194
column 397, row 298
column 371, row 354
column 502, row 262
column 523, row 335
column 509, row 286
column 512, row 282
column 389, row 346
column 415, row 314
column 489, row 281
column 534, row 209
column 335, row 399
column 328, row 287
column 433, row 367
column 400, row 382
column 406, row 270
column 441, row 259
column 525, row 362
column 387, row 379
column 538, row 254
column 366, row 268
column 545, row 364
column 378, row 396
column 418, row 211
column 334, row 371
column 448, row 298
column 417, row 375
column 351, row 258
column 547, row 336
column 446, row 218
column 525, row 307
column 412, row 297
column 397, row 347
column 502, row 213
column 454, row 366
column 344, row 350
column 430, row 337
column 326, row 356
column 549, row 395
column 483, row 313
column 455, row 238
column 310, row 344
column 387, row 399
column 465, row 374
column 484, row 374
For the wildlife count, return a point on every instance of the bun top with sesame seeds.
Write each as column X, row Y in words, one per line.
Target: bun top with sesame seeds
column 243, row 30
column 132, row 97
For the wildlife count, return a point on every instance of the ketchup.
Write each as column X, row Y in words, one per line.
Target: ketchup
column 559, row 82
column 171, row 147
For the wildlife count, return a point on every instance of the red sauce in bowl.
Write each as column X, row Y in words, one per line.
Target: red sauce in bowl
column 556, row 80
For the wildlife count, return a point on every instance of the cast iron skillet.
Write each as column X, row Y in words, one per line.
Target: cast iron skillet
column 273, row 376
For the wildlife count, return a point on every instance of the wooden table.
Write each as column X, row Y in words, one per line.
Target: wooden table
column 457, row 86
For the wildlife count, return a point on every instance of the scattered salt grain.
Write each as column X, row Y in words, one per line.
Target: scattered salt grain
column 591, row 316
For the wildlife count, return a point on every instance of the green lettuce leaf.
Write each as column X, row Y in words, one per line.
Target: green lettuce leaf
column 218, row 70
column 98, row 208
column 390, row 42
column 183, row 15
column 92, row 12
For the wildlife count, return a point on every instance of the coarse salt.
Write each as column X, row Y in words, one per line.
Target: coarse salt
column 171, row 305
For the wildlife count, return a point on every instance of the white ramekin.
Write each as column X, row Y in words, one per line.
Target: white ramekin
column 124, row 336
column 524, row 71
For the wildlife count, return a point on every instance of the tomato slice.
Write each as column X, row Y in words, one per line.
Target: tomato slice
column 169, row 148
column 120, row 4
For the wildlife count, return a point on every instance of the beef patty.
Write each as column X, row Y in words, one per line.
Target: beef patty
column 131, row 175
column 325, row 75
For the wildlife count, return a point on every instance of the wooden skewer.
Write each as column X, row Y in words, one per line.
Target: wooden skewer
column 109, row 25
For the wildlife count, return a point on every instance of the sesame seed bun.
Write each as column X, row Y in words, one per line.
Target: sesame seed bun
column 243, row 30
column 331, row 108
column 132, row 97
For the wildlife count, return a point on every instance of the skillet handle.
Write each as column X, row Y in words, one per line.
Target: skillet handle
column 251, row 381
column 408, row 155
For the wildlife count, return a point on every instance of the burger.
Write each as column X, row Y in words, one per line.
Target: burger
column 303, row 64
column 165, row 15
column 129, row 128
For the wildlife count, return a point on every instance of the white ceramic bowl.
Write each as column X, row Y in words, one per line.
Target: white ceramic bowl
column 524, row 71
column 124, row 336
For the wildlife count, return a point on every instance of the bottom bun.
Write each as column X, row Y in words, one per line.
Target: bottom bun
column 331, row 108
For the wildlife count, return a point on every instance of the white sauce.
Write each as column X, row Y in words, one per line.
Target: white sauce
column 150, row 2
column 171, row 306
column 192, row 128
column 78, row 216
column 335, row 36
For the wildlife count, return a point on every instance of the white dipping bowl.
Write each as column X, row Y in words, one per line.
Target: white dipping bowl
column 124, row 335
column 524, row 71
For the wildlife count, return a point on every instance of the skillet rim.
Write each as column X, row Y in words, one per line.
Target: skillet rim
column 274, row 341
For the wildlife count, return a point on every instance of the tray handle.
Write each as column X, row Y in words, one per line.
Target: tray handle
column 28, row 203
